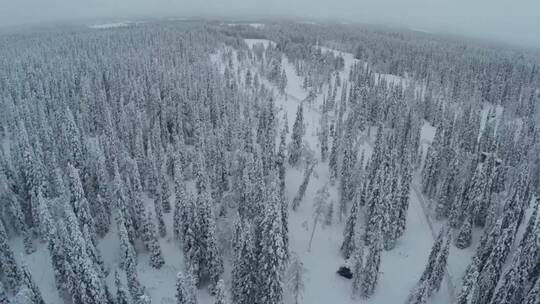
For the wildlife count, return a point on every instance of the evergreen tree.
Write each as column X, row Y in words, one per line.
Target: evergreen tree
column 357, row 272
column 272, row 254
column 180, row 199
column 79, row 202
column 433, row 255
column 295, row 278
column 211, row 263
column 534, row 295
column 244, row 265
column 371, row 270
column 221, row 294
column 324, row 134
column 348, row 245
column 128, row 260
column 420, row 294
column 122, row 295
column 3, row 295
column 28, row 281
column 165, row 190
column 10, row 270
column 183, row 292
column 464, row 236
column 439, row 270
column 298, row 131
column 469, row 289
column 158, row 208
column 303, row 187
column 152, row 242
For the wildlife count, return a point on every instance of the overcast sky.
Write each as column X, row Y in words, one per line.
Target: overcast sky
column 514, row 21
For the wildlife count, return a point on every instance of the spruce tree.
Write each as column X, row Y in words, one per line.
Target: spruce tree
column 128, row 258
column 28, row 281
column 152, row 243
column 533, row 297
column 10, row 270
column 298, row 131
column 183, row 292
column 221, row 293
column 348, row 245
column 303, row 187
column 469, row 288
column 211, row 263
column 295, row 278
column 357, row 272
column 244, row 264
column 464, row 236
column 79, row 202
column 371, row 270
column 272, row 255
column 158, row 208
column 122, row 295
column 439, row 270
column 3, row 295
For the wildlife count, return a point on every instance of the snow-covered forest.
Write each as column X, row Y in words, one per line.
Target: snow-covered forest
column 190, row 161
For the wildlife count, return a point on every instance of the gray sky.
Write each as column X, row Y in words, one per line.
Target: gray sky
column 514, row 21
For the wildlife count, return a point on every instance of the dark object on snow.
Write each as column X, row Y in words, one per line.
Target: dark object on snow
column 345, row 272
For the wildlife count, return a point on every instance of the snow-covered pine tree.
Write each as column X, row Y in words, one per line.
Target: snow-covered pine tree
column 165, row 189
column 122, row 295
column 79, row 202
column 295, row 278
column 158, row 208
column 469, row 288
column 533, row 297
column 10, row 270
column 128, row 260
column 180, row 198
column 349, row 237
column 370, row 276
column 433, row 255
column 303, row 187
column 420, row 294
column 183, row 291
column 439, row 270
column 271, row 257
column 357, row 271
column 28, row 281
column 298, row 131
column 211, row 263
column 324, row 134
column 152, row 243
column 244, row 264
column 446, row 194
column 490, row 274
column 221, row 293
column 3, row 294
column 464, row 237
column 404, row 188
